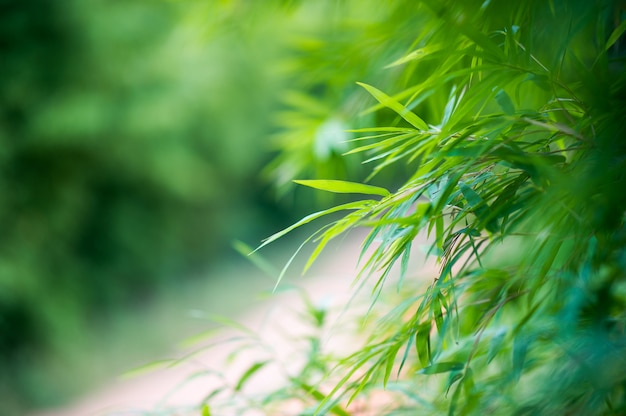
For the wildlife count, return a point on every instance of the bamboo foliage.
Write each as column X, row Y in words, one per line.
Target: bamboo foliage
column 508, row 120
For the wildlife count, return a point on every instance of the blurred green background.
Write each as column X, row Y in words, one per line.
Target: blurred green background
column 131, row 137
column 138, row 138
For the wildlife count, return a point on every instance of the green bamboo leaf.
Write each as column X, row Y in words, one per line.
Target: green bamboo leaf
column 505, row 103
column 249, row 373
column 291, row 259
column 422, row 344
column 404, row 263
column 390, row 361
column 619, row 31
column 454, row 377
column 439, row 233
column 230, row 323
column 331, row 232
column 319, row 396
column 343, row 187
column 394, row 105
column 442, row 367
column 520, row 348
column 415, row 55
column 472, row 197
column 261, row 263
column 436, row 311
column 380, row 130
column 147, row 368
column 311, row 217
column 468, row 382
column 495, row 346
column 476, row 203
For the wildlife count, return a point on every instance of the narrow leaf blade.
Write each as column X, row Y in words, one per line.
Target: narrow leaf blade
column 343, row 187
column 394, row 105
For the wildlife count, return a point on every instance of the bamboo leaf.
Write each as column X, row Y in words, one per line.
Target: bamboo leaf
column 505, row 103
column 415, row 55
column 454, row 377
column 476, row 203
column 422, row 344
column 442, row 367
column 147, row 368
column 437, row 312
column 520, row 348
column 394, row 105
column 619, row 31
column 495, row 346
column 343, row 187
column 319, row 396
column 249, row 373
column 311, row 217
column 390, row 361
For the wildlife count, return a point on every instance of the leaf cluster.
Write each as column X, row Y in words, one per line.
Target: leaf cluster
column 509, row 120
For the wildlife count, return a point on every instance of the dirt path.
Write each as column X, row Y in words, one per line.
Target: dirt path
column 275, row 320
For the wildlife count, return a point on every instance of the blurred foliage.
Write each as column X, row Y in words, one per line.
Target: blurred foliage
column 131, row 134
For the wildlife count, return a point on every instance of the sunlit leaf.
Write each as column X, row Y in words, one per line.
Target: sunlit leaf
column 343, row 187
column 311, row 217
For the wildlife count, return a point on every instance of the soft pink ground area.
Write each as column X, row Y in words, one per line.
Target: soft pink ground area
column 275, row 321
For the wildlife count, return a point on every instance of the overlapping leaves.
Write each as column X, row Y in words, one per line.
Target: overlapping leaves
column 494, row 135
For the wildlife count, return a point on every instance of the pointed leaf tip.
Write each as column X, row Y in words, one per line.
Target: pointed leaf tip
column 343, row 187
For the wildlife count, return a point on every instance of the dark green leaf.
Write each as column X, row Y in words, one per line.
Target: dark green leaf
column 505, row 103
column 619, row 31
column 454, row 377
column 520, row 348
column 442, row 367
column 422, row 344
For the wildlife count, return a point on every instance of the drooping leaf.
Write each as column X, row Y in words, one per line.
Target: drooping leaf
column 311, row 217
column 390, row 361
column 318, row 395
column 454, row 377
column 422, row 344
